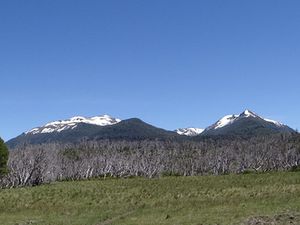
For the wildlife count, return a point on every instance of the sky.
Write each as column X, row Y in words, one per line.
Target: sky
column 171, row 63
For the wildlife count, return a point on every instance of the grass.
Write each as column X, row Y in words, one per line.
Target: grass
column 207, row 200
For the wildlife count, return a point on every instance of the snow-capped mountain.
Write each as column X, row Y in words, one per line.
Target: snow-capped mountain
column 61, row 125
column 229, row 119
column 190, row 131
column 78, row 129
column 247, row 122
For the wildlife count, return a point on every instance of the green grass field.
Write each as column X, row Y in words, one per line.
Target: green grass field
column 228, row 199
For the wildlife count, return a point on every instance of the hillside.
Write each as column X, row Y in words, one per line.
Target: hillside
column 226, row 200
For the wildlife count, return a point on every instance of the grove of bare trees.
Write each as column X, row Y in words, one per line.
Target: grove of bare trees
column 37, row 164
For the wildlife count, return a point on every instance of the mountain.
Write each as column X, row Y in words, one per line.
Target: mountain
column 77, row 129
column 247, row 123
column 191, row 131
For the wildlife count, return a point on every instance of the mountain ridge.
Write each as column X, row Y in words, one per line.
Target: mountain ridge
column 60, row 125
column 80, row 128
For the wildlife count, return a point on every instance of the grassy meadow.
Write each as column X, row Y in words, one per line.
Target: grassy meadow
column 205, row 200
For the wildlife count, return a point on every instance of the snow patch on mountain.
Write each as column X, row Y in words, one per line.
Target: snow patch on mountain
column 60, row 125
column 226, row 120
column 275, row 122
column 190, row 131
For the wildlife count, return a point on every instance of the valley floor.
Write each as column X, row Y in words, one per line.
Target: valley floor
column 270, row 198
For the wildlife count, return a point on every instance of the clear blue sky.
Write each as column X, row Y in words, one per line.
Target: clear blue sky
column 171, row 63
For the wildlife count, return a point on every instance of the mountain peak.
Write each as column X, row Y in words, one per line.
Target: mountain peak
column 248, row 113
